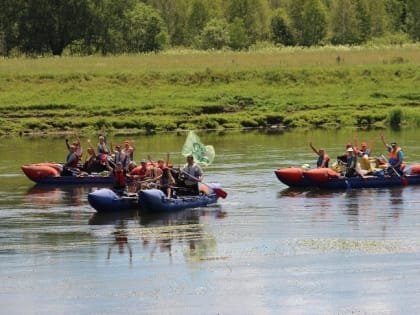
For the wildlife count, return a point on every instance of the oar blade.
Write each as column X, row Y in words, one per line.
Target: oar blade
column 404, row 181
column 220, row 192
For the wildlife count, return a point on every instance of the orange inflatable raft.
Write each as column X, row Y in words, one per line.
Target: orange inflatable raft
column 41, row 170
column 321, row 175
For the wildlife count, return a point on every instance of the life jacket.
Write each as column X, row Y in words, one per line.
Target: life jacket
column 119, row 178
column 393, row 157
column 75, row 161
column 394, row 154
column 320, row 160
column 350, row 161
column 139, row 171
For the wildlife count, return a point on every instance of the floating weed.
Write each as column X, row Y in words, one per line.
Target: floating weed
column 346, row 245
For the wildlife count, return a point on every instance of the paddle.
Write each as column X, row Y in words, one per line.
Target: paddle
column 403, row 179
column 218, row 191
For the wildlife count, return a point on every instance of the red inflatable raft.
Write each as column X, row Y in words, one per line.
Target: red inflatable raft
column 38, row 171
column 50, row 173
column 293, row 177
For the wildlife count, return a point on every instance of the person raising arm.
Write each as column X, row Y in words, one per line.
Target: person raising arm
column 323, row 158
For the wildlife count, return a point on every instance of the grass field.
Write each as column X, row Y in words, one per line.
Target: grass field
column 330, row 87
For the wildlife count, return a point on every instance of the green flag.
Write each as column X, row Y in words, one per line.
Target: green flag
column 203, row 154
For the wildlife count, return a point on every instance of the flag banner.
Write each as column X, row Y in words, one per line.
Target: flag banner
column 203, row 154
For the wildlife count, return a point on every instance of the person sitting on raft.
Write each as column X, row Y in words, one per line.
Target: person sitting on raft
column 102, row 148
column 364, row 154
column 166, row 182
column 352, row 167
column 351, row 163
column 119, row 173
column 78, row 145
column 396, row 157
column 72, row 162
column 323, row 158
column 191, row 174
column 343, row 158
column 363, row 150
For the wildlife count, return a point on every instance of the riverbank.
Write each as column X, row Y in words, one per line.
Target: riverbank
column 276, row 88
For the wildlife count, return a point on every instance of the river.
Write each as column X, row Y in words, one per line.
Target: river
column 265, row 249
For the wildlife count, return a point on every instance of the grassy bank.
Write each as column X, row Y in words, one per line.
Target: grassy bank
column 309, row 88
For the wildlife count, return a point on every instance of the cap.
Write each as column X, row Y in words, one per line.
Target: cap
column 143, row 162
column 393, row 143
column 348, row 145
column 350, row 150
column 364, row 144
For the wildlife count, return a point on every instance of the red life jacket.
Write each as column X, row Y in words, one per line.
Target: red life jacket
column 120, row 177
column 139, row 171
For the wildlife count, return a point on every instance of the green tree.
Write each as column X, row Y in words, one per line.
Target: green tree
column 363, row 30
column 377, row 17
column 175, row 15
column 281, row 32
column 10, row 11
column 197, row 18
column 413, row 21
column 396, row 13
column 215, row 34
column 295, row 12
column 145, row 30
column 315, row 25
column 254, row 13
column 49, row 26
column 238, row 37
column 344, row 23
column 107, row 29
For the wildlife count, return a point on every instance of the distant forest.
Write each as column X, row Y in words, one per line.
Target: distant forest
column 85, row 27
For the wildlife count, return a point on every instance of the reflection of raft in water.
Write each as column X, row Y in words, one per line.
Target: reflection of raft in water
column 45, row 196
column 49, row 173
column 329, row 179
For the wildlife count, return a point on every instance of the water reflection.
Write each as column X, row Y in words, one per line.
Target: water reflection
column 361, row 207
column 161, row 233
column 295, row 191
column 45, row 196
column 351, row 208
column 121, row 242
column 184, row 229
column 113, row 218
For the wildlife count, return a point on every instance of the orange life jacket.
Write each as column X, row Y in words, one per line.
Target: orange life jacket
column 394, row 154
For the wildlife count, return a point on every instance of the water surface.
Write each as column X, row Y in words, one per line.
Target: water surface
column 265, row 249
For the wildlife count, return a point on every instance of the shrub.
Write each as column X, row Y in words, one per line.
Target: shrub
column 395, row 117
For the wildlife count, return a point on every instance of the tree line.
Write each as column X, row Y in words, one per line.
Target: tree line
column 84, row 27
